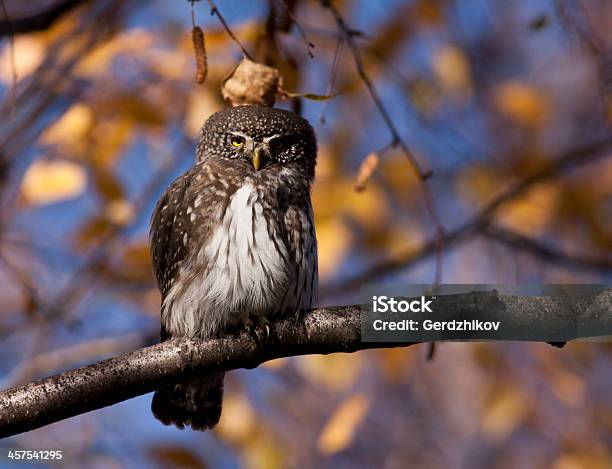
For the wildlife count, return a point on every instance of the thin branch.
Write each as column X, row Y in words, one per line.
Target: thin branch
column 397, row 140
column 38, row 21
column 532, row 246
column 578, row 157
column 215, row 11
column 333, row 73
column 579, row 22
column 27, row 285
column 320, row 331
column 309, row 45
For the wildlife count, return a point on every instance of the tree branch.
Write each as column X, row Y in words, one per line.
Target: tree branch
column 321, row 331
column 111, row 381
column 520, row 242
column 482, row 218
column 396, row 139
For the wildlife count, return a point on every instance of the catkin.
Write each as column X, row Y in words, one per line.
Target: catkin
column 199, row 48
column 366, row 170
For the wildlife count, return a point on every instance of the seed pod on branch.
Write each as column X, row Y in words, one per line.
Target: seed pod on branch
column 199, row 48
column 254, row 83
column 366, row 170
column 251, row 83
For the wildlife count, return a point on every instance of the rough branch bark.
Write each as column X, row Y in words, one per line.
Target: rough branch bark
column 320, row 331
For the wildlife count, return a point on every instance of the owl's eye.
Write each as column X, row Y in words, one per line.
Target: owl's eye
column 279, row 144
column 237, row 141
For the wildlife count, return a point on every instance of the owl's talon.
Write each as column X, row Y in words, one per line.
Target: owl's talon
column 259, row 329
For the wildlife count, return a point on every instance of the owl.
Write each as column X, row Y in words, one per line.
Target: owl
column 233, row 242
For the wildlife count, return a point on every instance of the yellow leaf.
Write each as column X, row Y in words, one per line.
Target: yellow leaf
column 453, row 70
column 477, row 183
column 396, row 364
column 337, row 372
column 109, row 137
column 92, row 231
column 120, row 212
column 340, row 429
column 46, row 182
column 522, row 102
column 369, row 208
column 107, row 184
column 264, row 452
column 141, row 110
column 398, row 173
column 592, row 457
column 429, row 12
column 28, row 53
column 238, row 421
column 249, row 435
column 168, row 455
column 531, row 213
column 99, row 60
column 201, row 105
column 404, row 238
column 334, row 239
column 568, row 388
column 507, row 408
column 70, row 129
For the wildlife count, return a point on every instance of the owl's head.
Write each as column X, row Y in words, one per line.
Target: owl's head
column 267, row 139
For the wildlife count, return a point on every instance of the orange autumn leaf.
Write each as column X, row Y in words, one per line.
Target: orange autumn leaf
column 522, row 103
column 340, row 429
column 47, row 182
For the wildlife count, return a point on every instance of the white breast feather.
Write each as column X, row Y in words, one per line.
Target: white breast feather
column 238, row 281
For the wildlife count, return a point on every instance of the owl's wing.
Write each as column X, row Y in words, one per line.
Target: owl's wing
column 166, row 244
column 302, row 244
column 168, row 225
column 182, row 223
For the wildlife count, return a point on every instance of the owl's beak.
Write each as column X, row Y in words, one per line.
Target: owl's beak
column 257, row 157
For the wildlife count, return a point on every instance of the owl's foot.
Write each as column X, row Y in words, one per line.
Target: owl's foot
column 259, row 329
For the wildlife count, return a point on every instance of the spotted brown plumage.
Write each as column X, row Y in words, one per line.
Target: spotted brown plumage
column 233, row 242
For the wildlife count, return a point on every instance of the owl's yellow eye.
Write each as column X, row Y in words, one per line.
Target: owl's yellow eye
column 237, row 141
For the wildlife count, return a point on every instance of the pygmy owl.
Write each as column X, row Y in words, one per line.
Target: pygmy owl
column 233, row 242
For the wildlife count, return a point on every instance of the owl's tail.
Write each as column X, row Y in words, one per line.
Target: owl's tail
column 196, row 402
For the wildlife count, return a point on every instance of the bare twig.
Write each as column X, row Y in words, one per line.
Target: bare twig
column 333, row 73
column 578, row 157
column 521, row 242
column 215, row 11
column 27, row 285
column 309, row 45
column 397, row 140
column 579, row 22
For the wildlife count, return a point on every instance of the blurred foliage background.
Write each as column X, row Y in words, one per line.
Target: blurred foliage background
column 506, row 107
